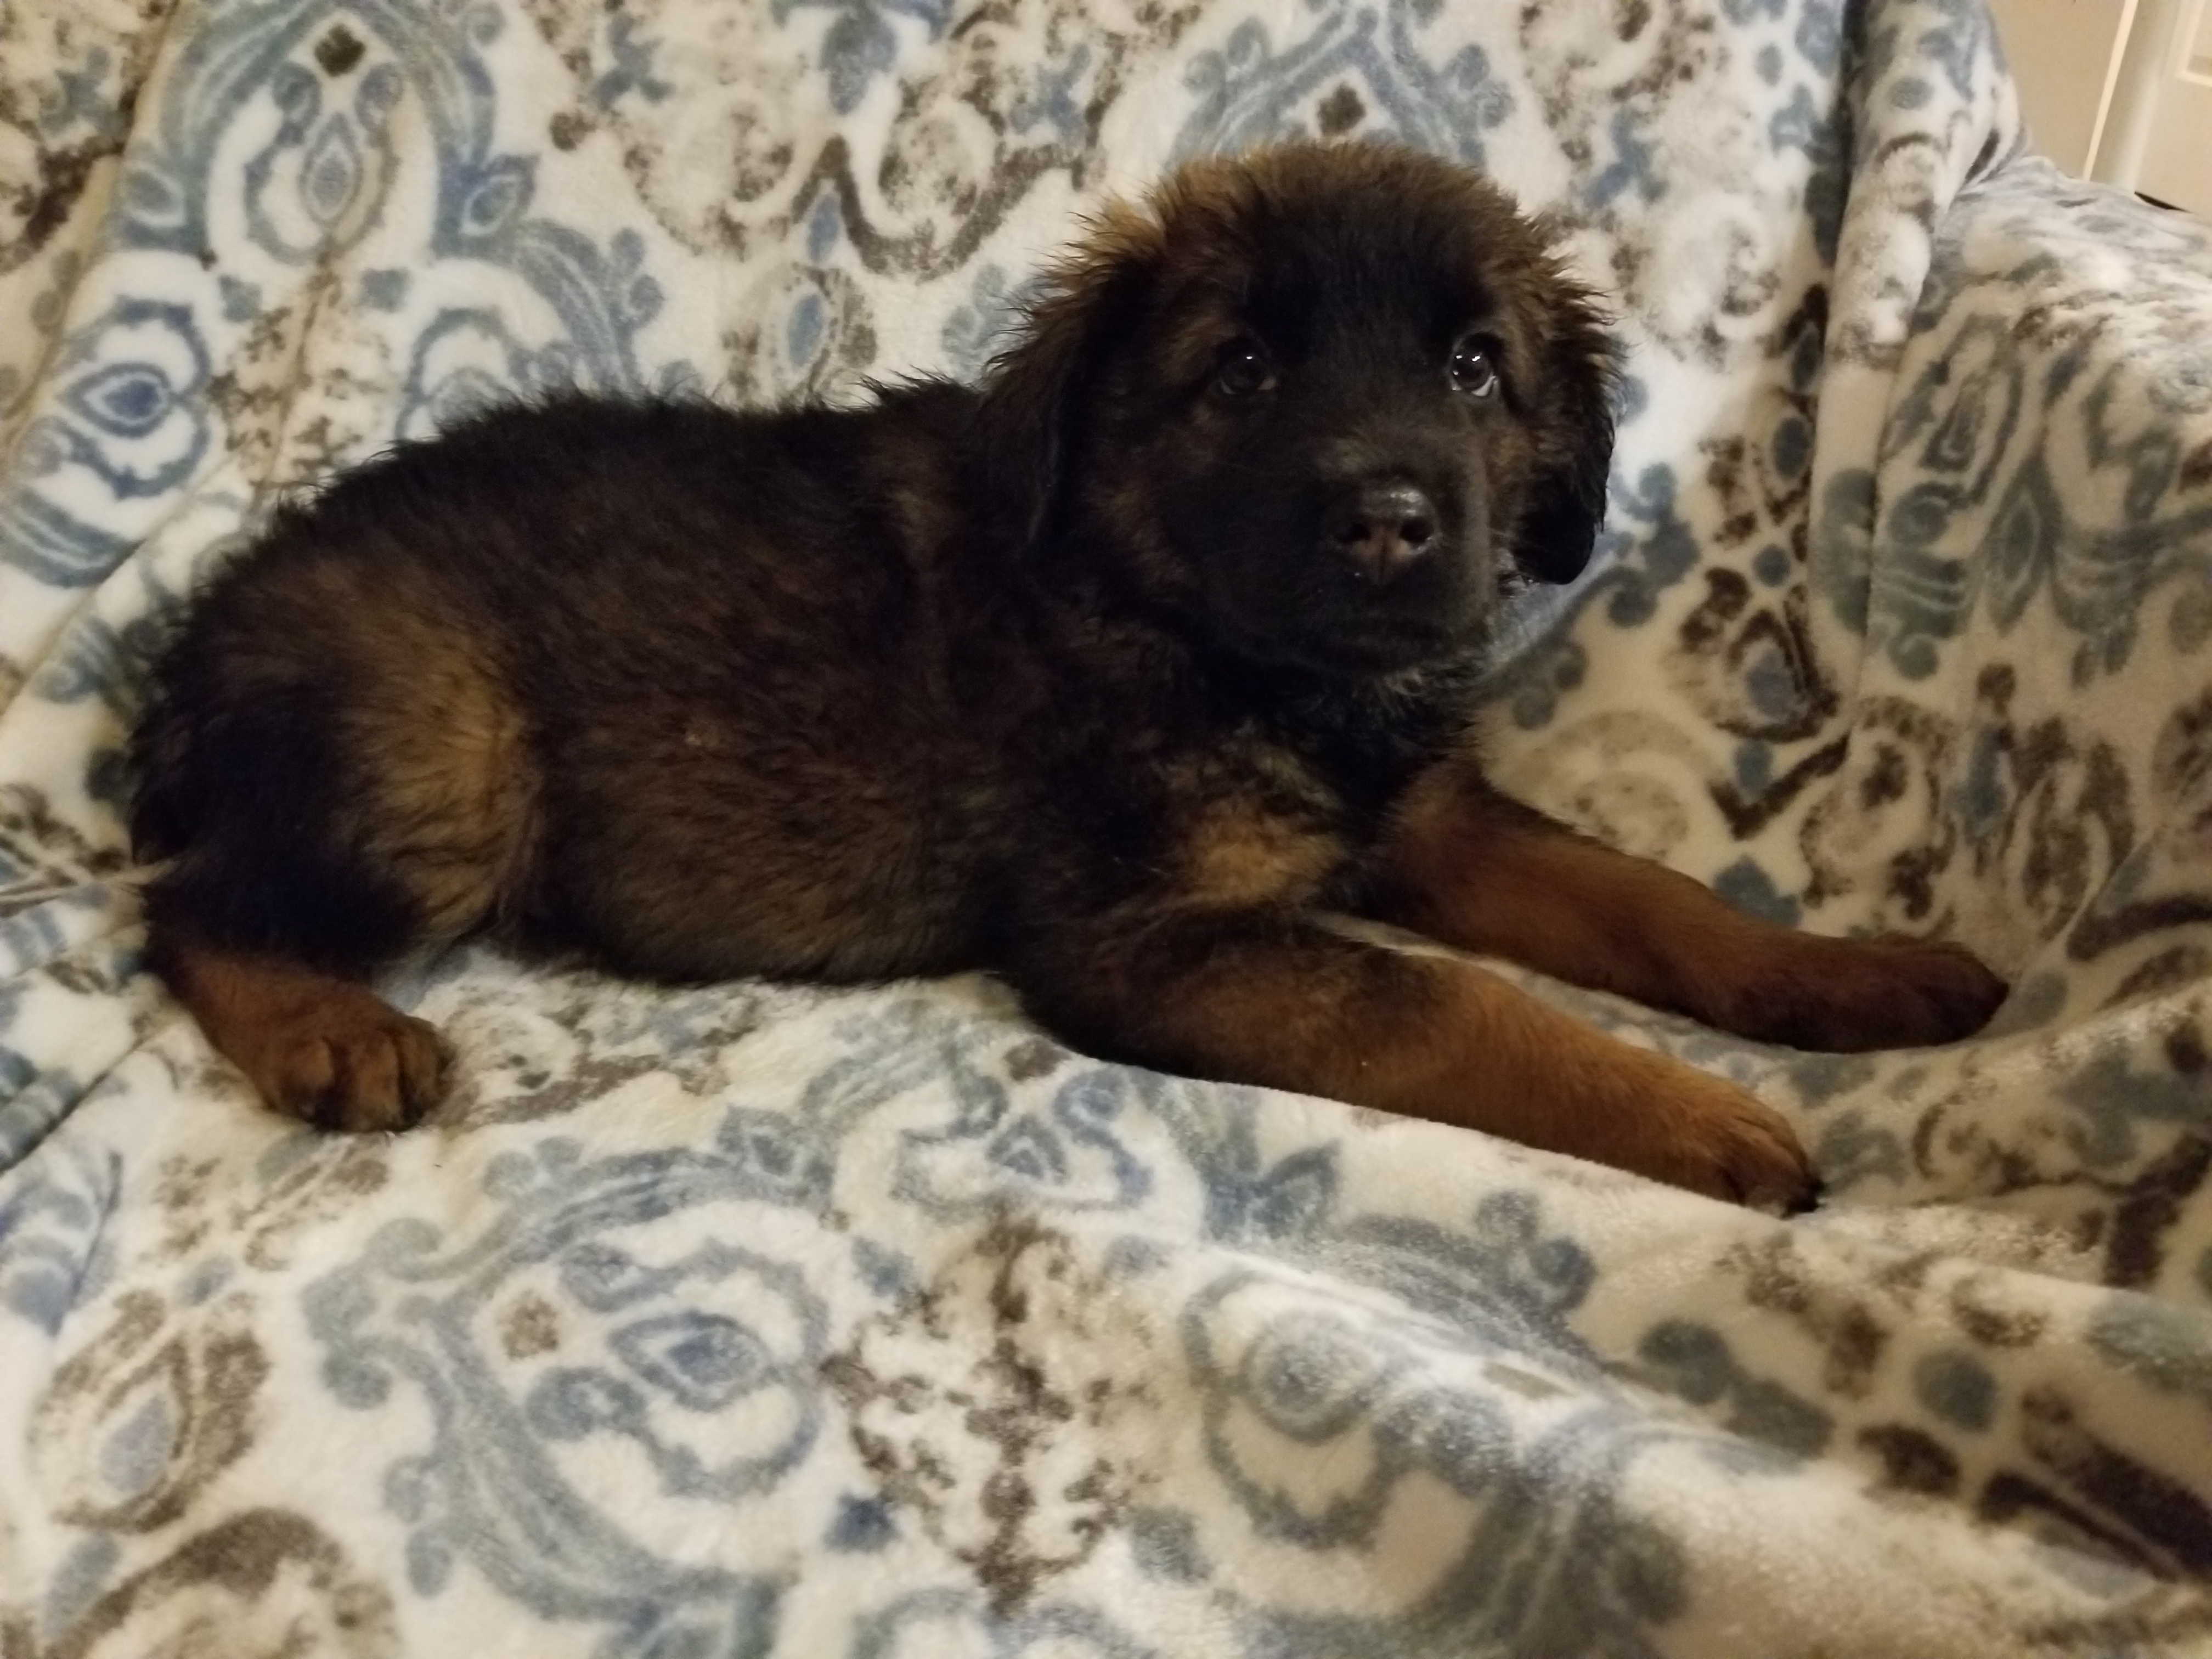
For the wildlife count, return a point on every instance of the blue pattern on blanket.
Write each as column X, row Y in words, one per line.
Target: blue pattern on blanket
column 1370, row 62
column 702, row 1359
column 757, row 1320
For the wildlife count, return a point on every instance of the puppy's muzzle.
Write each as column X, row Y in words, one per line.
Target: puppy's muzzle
column 1383, row 529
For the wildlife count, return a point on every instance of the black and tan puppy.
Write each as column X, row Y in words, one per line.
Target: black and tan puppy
column 1112, row 676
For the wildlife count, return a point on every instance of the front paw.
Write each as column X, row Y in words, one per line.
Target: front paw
column 1709, row 1136
column 1654, row 1115
column 1848, row 996
column 1941, row 992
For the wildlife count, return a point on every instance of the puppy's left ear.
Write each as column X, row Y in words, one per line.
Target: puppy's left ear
column 1039, row 393
column 1566, row 504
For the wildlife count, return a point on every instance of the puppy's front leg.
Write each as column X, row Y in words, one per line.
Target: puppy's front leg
column 1271, row 997
column 1468, row 867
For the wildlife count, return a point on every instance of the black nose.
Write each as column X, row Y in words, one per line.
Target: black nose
column 1382, row 528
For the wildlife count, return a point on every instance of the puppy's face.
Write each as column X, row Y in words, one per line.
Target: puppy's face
column 1326, row 399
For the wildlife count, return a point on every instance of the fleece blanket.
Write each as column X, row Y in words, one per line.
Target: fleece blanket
column 760, row 1320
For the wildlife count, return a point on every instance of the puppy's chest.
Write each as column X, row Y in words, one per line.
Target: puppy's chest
column 1251, row 822
column 1281, row 804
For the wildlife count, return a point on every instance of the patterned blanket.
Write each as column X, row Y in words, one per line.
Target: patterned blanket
column 760, row 1320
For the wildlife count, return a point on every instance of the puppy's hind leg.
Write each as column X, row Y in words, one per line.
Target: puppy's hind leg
column 320, row 817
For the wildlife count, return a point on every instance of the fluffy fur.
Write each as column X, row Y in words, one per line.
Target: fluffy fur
column 1112, row 676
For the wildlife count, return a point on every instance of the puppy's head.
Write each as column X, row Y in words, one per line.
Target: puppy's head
column 1321, row 399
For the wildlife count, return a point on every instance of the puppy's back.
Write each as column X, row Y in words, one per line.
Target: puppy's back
column 654, row 679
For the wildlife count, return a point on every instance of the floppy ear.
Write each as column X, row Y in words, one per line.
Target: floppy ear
column 1038, row 391
column 1566, row 504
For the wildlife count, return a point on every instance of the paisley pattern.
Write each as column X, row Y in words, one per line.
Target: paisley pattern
column 760, row 1321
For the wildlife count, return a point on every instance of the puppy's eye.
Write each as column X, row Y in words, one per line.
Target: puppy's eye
column 1471, row 368
column 1243, row 368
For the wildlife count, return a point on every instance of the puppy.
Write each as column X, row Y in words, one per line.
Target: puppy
column 1111, row 676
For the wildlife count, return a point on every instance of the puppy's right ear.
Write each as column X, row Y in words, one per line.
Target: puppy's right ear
column 1574, row 427
column 1039, row 393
